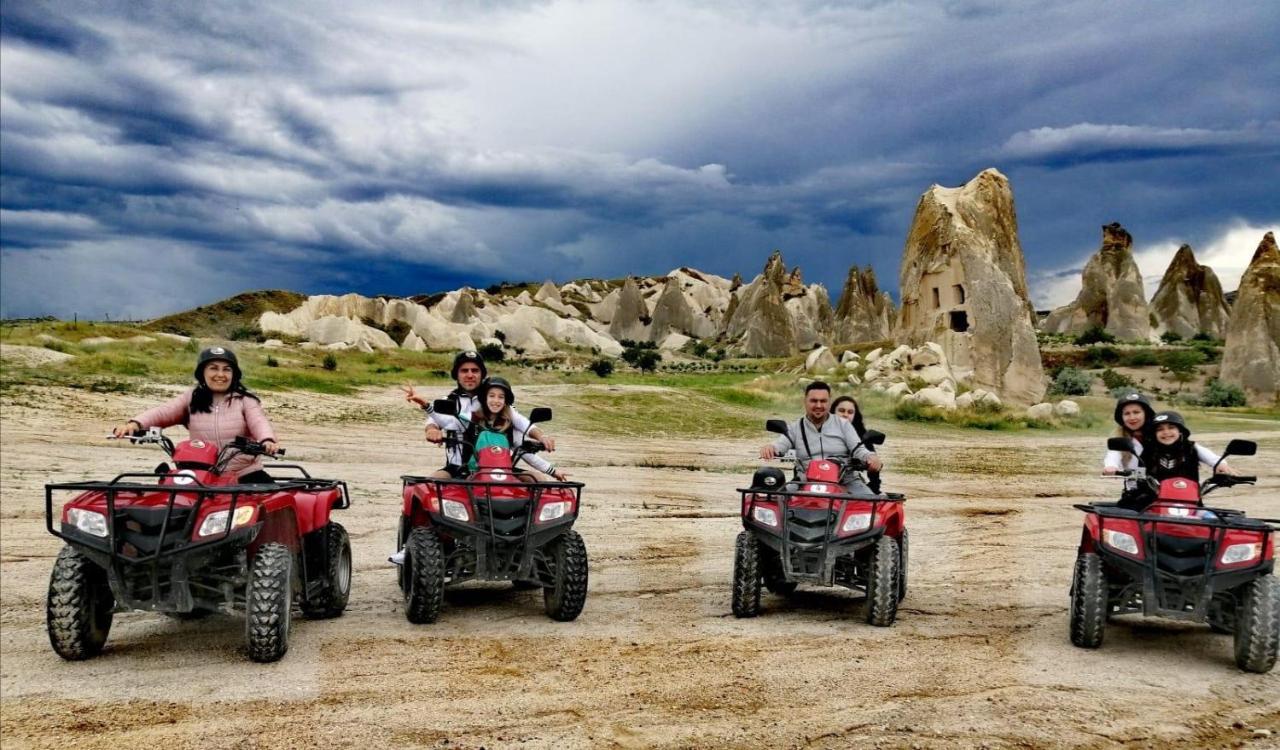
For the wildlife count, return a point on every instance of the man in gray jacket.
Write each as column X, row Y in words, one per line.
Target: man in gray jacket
column 820, row 435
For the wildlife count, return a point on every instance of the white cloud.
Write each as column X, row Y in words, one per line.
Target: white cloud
column 1089, row 139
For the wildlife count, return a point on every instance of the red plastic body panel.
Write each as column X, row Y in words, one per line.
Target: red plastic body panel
column 195, row 452
column 822, row 471
column 1178, row 489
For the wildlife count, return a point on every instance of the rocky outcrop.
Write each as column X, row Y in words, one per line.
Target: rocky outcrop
column 464, row 311
column 964, row 286
column 760, row 324
column 1111, row 294
column 1251, row 359
column 672, row 313
column 1190, row 299
column 631, row 314
column 864, row 313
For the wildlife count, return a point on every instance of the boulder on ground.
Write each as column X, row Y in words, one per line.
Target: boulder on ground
column 413, row 342
column 273, row 344
column 897, row 390
column 1040, row 411
column 1066, row 409
column 937, row 398
column 820, row 360
column 674, row 342
column 849, row 357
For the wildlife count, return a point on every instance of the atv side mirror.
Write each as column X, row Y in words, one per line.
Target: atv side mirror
column 445, row 406
column 776, row 425
column 1120, row 444
column 1241, row 448
column 540, row 414
column 873, row 437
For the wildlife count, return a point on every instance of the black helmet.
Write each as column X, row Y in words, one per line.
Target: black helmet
column 469, row 356
column 1173, row 418
column 1133, row 397
column 768, row 478
column 497, row 382
column 213, row 354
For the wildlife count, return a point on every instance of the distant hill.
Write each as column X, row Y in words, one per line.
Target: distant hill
column 231, row 318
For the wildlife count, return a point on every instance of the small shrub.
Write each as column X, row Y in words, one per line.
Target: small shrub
column 1140, row 358
column 700, row 349
column 1218, row 393
column 247, row 333
column 1182, row 364
column 330, row 362
column 1095, row 335
column 1205, row 336
column 1098, row 356
column 272, row 361
column 492, row 352
column 1071, row 382
column 647, row 361
column 192, row 345
column 500, row 335
column 1170, row 337
column 1114, row 380
column 602, row 367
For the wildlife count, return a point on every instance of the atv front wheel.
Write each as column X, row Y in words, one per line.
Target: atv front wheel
column 337, row 574
column 1088, row 602
column 564, row 600
column 902, row 566
column 269, row 601
column 746, row 576
column 1258, row 625
column 424, row 573
column 80, row 607
column 883, row 583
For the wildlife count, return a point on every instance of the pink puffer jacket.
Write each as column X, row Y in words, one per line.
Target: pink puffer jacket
column 229, row 418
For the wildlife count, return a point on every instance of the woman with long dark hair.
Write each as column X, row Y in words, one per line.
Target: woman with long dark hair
column 846, row 408
column 218, row 409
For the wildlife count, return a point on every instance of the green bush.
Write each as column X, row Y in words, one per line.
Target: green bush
column 1218, row 393
column 647, row 361
column 1095, row 335
column 330, row 362
column 272, row 361
column 492, row 352
column 1098, row 356
column 1114, row 380
column 1182, row 363
column 247, row 333
column 1170, row 337
column 1205, row 336
column 1139, row 358
column 1071, row 382
column 602, row 367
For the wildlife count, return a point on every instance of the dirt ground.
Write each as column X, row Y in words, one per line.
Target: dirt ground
column 979, row 656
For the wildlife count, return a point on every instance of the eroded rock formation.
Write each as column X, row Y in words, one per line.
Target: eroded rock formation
column 864, row 313
column 964, row 286
column 1111, row 293
column 760, row 324
column 631, row 314
column 1190, row 299
column 1251, row 359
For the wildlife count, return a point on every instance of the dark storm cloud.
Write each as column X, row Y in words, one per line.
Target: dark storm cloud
column 401, row 148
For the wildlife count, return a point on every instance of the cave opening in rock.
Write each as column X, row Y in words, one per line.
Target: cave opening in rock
column 959, row 293
column 959, row 321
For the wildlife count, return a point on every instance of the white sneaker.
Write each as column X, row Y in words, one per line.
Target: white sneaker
column 397, row 558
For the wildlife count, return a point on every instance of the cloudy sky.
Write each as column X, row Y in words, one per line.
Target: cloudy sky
column 156, row 156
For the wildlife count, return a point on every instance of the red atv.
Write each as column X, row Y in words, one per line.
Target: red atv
column 188, row 540
column 497, row 525
column 1180, row 560
column 813, row 532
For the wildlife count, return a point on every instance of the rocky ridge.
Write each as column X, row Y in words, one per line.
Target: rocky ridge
column 1190, row 299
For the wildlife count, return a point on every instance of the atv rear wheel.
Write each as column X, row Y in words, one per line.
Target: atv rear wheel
column 564, row 601
column 269, row 602
column 746, row 575
column 337, row 574
column 771, row 569
column 883, row 583
column 1088, row 602
column 80, row 607
column 424, row 574
column 902, row 566
column 1258, row 625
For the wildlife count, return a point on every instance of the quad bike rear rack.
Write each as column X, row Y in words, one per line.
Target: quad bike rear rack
column 512, row 550
column 1158, row 581
column 802, row 567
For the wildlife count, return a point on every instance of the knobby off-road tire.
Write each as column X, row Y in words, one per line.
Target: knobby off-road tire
column 337, row 574
column 424, row 571
column 746, row 576
column 771, row 570
column 80, row 607
column 269, row 603
column 903, row 557
column 564, row 601
column 1088, row 602
column 1258, row 625
column 883, row 583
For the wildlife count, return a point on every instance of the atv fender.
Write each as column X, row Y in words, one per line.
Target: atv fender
column 280, row 526
column 1089, row 536
column 313, row 508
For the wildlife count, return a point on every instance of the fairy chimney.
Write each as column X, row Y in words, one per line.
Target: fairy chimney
column 1111, row 294
column 1251, row 358
column 1190, row 299
column 864, row 313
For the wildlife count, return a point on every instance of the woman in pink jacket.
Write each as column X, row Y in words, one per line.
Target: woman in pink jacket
column 217, row 410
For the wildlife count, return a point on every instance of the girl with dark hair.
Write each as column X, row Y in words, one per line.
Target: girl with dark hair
column 846, row 408
column 218, row 409
column 494, row 424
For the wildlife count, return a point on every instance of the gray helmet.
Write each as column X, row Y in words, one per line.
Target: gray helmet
column 1134, row 398
column 1173, row 418
column 213, row 354
column 469, row 356
column 497, row 382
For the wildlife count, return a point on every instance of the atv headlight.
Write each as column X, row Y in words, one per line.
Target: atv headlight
column 1238, row 553
column 455, row 510
column 216, row 523
column 856, row 522
column 88, row 521
column 1120, row 540
column 766, row 516
column 552, row 511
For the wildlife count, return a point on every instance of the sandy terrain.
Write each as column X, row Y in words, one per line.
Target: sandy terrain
column 979, row 656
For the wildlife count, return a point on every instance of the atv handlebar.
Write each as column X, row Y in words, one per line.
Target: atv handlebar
column 252, row 447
